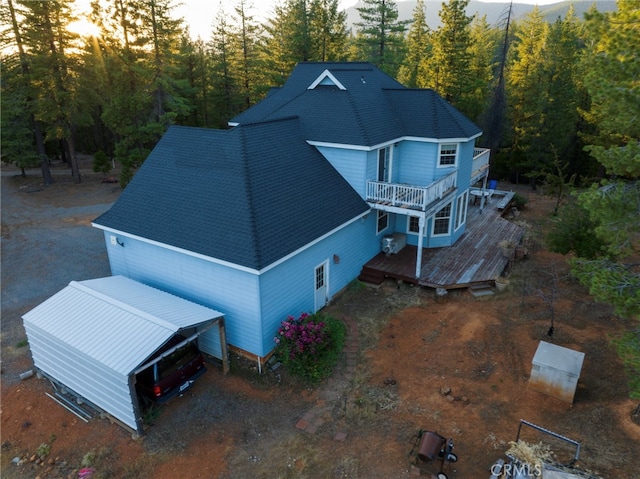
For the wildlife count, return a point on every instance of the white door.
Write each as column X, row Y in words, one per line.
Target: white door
column 320, row 281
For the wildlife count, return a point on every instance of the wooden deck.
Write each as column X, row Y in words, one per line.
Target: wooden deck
column 475, row 259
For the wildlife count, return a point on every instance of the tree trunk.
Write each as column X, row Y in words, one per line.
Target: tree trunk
column 42, row 153
column 73, row 158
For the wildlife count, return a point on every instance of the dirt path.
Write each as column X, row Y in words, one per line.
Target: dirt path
column 248, row 425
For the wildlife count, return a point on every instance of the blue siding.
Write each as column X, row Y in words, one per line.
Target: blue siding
column 417, row 163
column 232, row 292
column 350, row 164
column 253, row 305
column 371, row 173
column 465, row 166
column 289, row 289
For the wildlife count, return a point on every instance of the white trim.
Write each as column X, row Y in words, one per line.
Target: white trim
column 325, row 278
column 226, row 263
column 339, row 145
column 391, row 142
column 176, row 249
column 329, row 75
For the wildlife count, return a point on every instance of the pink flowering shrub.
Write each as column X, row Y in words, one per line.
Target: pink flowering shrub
column 309, row 346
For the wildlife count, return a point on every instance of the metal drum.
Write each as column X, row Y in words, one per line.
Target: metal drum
column 430, row 446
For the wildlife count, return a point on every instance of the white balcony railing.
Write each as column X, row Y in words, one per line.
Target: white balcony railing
column 480, row 163
column 407, row 196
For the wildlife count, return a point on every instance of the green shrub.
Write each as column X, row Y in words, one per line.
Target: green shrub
column 101, row 162
column 309, row 346
column 572, row 232
column 519, row 201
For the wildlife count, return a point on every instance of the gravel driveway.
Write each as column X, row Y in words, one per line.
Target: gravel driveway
column 47, row 241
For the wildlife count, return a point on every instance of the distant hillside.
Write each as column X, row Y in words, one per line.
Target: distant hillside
column 493, row 11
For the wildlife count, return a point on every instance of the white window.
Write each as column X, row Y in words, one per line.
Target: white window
column 461, row 210
column 414, row 224
column 448, row 154
column 441, row 221
column 383, row 220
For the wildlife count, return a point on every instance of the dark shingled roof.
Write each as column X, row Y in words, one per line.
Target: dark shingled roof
column 373, row 108
column 249, row 196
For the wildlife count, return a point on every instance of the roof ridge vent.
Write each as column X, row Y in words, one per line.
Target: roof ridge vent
column 326, row 78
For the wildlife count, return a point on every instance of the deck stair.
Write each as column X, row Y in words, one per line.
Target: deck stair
column 481, row 289
column 371, row 276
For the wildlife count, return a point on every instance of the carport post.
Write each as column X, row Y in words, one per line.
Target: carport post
column 136, row 406
column 223, row 346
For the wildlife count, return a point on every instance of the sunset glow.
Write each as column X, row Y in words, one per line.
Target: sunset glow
column 84, row 28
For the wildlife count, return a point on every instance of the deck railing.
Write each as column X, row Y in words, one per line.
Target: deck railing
column 480, row 163
column 408, row 196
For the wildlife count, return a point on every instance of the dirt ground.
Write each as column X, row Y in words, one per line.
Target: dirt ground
column 410, row 347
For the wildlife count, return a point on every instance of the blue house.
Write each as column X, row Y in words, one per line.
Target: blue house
column 276, row 215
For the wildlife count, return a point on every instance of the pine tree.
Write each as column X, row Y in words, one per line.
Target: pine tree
column 141, row 41
column 328, row 31
column 411, row 73
column 52, row 73
column 226, row 90
column 244, row 56
column 381, row 34
column 20, row 129
column 448, row 67
column 481, row 66
column 561, row 120
column 528, row 98
column 612, row 69
column 286, row 41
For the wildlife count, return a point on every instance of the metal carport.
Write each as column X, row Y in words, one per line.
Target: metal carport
column 92, row 337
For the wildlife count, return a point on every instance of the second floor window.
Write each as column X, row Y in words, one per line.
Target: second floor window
column 448, row 154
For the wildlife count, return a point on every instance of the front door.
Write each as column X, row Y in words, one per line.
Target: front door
column 321, row 285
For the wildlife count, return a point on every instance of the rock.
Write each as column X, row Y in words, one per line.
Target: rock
column 445, row 390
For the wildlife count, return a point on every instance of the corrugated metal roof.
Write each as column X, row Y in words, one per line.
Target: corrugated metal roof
column 115, row 320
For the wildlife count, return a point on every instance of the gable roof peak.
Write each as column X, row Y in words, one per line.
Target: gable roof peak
column 326, row 78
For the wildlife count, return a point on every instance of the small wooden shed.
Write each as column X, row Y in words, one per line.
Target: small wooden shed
column 555, row 371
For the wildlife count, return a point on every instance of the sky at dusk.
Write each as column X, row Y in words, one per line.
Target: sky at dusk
column 199, row 15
